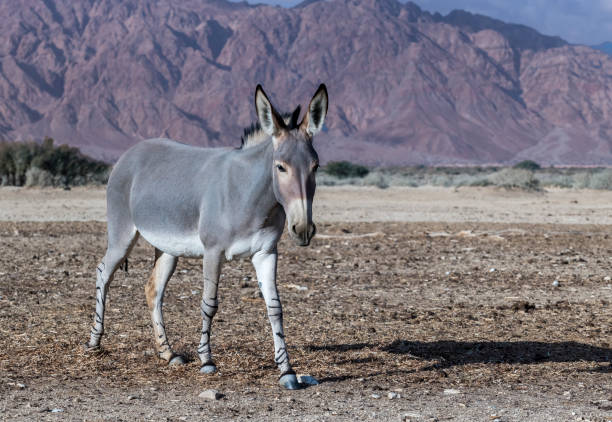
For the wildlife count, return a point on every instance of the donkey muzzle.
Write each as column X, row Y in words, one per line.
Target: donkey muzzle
column 302, row 233
column 299, row 223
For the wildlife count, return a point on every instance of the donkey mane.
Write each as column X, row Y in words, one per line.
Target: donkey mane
column 254, row 134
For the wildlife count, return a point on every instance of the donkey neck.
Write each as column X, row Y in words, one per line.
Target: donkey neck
column 257, row 161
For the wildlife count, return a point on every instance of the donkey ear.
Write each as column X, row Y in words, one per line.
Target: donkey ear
column 269, row 119
column 293, row 121
column 317, row 110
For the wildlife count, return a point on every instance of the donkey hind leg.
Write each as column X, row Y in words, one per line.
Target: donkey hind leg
column 265, row 267
column 154, row 290
column 212, row 269
column 119, row 248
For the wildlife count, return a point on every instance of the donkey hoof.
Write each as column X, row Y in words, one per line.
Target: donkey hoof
column 177, row 360
column 289, row 382
column 208, row 368
column 91, row 349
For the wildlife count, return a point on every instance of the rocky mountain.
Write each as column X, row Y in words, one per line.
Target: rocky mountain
column 406, row 86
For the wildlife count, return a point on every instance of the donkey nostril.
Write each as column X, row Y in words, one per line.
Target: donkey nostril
column 313, row 230
column 293, row 228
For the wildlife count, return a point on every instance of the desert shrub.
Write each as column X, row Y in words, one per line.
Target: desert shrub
column 469, row 179
column 15, row 160
column 403, row 179
column 441, row 180
column 329, row 180
column 344, row 169
column 47, row 165
column 601, row 180
column 377, row 179
column 98, row 177
column 480, row 183
column 555, row 179
column 582, row 180
column 515, row 178
column 477, row 176
column 324, row 179
column 38, row 177
column 527, row 165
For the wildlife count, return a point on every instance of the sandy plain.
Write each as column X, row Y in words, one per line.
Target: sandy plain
column 446, row 297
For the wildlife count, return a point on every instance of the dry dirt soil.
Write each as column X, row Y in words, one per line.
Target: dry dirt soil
column 462, row 319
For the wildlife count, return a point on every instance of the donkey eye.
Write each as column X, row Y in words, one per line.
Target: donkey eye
column 281, row 168
column 315, row 167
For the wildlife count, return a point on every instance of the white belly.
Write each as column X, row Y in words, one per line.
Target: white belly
column 176, row 245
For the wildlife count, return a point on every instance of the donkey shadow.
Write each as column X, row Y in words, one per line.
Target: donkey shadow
column 451, row 353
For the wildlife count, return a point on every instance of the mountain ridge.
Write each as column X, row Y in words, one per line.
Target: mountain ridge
column 406, row 86
column 606, row 47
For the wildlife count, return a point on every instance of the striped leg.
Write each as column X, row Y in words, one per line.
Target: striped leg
column 265, row 267
column 116, row 253
column 154, row 290
column 212, row 269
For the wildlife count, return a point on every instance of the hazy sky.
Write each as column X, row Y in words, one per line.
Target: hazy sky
column 577, row 21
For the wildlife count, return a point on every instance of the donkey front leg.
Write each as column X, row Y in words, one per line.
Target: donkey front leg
column 212, row 269
column 265, row 267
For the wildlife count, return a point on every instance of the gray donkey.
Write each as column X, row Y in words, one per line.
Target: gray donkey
column 215, row 203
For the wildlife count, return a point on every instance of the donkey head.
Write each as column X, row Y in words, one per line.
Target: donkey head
column 295, row 160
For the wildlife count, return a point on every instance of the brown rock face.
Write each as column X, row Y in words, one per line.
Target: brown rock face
column 405, row 86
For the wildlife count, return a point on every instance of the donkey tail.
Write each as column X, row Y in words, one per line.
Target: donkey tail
column 124, row 265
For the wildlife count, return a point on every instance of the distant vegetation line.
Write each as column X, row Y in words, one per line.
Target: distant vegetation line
column 526, row 175
column 44, row 164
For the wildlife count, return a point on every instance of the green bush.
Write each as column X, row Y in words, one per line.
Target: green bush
column 345, row 169
column 43, row 164
column 527, row 165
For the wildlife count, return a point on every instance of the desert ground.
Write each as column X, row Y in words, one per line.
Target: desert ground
column 411, row 304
